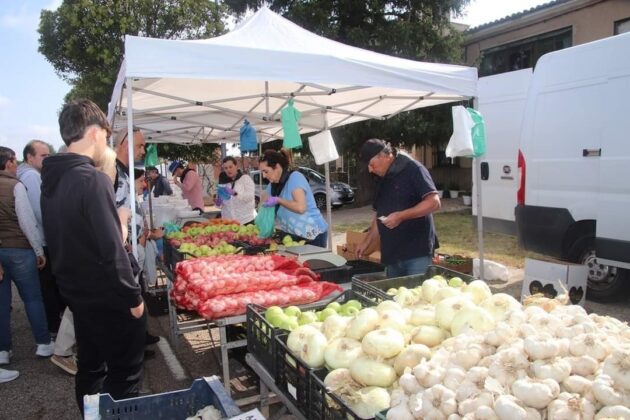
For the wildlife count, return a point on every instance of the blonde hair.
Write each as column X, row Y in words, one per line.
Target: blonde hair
column 107, row 164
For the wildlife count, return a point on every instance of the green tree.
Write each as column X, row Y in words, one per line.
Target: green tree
column 84, row 39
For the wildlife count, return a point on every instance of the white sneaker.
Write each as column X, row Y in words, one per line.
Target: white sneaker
column 5, row 357
column 45, row 350
column 8, row 375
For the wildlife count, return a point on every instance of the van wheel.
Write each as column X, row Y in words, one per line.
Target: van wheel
column 605, row 283
column 320, row 201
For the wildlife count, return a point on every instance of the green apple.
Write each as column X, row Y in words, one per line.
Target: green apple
column 289, row 323
column 325, row 313
column 348, row 311
column 353, row 303
column 307, row 318
column 334, row 305
column 292, row 311
column 273, row 311
column 456, row 282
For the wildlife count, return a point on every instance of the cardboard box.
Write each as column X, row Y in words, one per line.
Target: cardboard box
column 353, row 239
column 550, row 278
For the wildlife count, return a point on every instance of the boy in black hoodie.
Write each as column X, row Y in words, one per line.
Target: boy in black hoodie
column 88, row 259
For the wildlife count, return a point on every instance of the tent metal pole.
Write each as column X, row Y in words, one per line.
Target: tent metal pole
column 328, row 197
column 132, row 184
column 477, row 165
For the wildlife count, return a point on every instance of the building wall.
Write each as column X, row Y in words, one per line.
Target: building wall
column 589, row 19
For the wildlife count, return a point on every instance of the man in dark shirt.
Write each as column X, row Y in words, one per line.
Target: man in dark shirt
column 404, row 200
column 159, row 182
column 83, row 231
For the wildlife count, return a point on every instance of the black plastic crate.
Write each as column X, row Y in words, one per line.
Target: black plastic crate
column 293, row 377
column 323, row 404
column 171, row 256
column 169, row 405
column 336, row 275
column 364, row 267
column 261, row 334
column 376, row 289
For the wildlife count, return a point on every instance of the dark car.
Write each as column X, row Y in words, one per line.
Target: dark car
column 341, row 193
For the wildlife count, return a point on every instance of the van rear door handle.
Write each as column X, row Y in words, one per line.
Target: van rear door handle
column 591, row 152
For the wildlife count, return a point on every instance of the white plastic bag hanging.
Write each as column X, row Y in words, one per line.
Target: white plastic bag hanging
column 461, row 143
column 323, row 147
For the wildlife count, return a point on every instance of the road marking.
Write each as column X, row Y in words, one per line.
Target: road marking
column 171, row 360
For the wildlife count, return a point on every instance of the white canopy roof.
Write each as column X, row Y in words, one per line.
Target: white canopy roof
column 200, row 91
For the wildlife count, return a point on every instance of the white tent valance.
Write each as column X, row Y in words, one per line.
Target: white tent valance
column 200, row 91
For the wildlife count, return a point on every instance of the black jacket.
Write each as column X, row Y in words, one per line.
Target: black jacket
column 83, row 234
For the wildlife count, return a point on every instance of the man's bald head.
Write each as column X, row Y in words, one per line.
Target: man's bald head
column 121, row 146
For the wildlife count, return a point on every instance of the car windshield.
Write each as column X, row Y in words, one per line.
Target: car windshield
column 313, row 176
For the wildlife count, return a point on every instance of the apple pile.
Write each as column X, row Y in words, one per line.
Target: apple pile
column 292, row 317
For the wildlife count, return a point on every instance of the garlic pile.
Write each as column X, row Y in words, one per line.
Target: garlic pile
column 444, row 352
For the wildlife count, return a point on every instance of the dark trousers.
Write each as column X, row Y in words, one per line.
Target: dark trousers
column 110, row 352
column 53, row 302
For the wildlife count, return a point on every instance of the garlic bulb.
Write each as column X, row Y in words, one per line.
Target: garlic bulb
column 472, row 384
column 438, row 402
column 409, row 383
column 583, row 365
column 428, row 374
column 453, row 377
column 541, row 346
column 579, row 385
column 546, row 322
column 617, row 366
column 605, row 393
column 481, row 413
column 594, row 345
column 507, row 407
column 614, row 412
column 570, row 406
column 536, row 393
column 471, row 404
column 557, row 369
column 508, row 365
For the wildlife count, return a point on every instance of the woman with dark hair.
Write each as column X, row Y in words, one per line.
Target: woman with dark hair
column 235, row 194
column 288, row 190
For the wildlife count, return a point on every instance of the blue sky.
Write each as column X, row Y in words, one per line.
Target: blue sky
column 31, row 94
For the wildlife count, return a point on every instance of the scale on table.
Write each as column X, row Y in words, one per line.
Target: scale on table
column 317, row 258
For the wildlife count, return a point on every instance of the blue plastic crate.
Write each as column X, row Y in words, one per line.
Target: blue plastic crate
column 168, row 405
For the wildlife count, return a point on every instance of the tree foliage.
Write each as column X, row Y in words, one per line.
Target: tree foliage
column 84, row 39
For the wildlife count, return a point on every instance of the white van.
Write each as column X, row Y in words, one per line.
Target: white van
column 573, row 198
column 501, row 100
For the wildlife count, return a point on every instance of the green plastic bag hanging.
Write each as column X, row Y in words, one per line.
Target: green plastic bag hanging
column 151, row 155
column 478, row 133
column 265, row 220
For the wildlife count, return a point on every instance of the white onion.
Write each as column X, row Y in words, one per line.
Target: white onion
column 430, row 288
column 444, row 293
column 499, row 304
column 392, row 319
column 428, row 335
column 423, row 315
column 362, row 323
column 410, row 357
column 340, row 352
column 475, row 319
column 338, row 379
column 479, row 291
column 445, row 310
column 388, row 305
column 335, row 326
column 385, row 343
column 297, row 337
column 312, row 353
column 370, row 372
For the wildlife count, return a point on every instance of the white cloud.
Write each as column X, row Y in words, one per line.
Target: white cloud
column 23, row 20
column 53, row 5
column 4, row 102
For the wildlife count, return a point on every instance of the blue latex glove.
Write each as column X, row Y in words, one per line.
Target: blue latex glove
column 271, row 202
column 230, row 191
column 218, row 202
column 222, row 193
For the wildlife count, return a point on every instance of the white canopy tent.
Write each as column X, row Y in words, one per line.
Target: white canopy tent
column 200, row 91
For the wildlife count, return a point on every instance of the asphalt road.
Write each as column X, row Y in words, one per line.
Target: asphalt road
column 43, row 391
